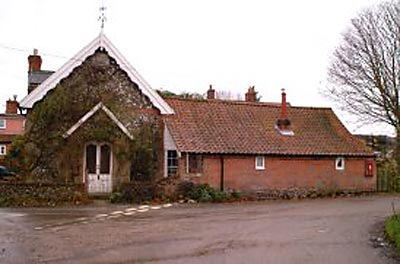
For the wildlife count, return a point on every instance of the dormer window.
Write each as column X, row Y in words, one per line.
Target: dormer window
column 339, row 163
column 284, row 132
column 2, row 123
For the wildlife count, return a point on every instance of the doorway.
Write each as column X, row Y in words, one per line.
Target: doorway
column 98, row 167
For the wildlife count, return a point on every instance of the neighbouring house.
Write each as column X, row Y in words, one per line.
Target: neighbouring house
column 11, row 125
column 254, row 146
column 97, row 121
column 35, row 73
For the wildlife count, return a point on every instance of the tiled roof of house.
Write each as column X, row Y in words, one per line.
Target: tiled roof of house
column 216, row 126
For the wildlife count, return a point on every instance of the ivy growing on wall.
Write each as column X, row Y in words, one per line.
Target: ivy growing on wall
column 97, row 79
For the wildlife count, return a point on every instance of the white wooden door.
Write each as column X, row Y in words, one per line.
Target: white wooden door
column 98, row 167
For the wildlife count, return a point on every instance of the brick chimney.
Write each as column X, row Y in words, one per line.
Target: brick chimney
column 12, row 106
column 251, row 95
column 284, row 105
column 211, row 93
column 36, row 75
column 283, row 123
column 35, row 61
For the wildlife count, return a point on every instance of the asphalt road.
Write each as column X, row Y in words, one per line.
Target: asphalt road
column 310, row 231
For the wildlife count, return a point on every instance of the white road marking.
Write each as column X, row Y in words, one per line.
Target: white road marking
column 112, row 215
column 101, row 215
column 13, row 215
column 129, row 213
column 116, row 213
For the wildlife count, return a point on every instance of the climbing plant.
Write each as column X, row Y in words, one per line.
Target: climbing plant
column 15, row 157
column 98, row 79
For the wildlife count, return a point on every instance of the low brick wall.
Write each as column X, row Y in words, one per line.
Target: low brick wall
column 15, row 194
column 302, row 193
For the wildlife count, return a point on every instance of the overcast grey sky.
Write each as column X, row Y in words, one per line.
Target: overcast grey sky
column 183, row 45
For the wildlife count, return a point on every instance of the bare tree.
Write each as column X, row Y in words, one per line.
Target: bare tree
column 228, row 95
column 365, row 72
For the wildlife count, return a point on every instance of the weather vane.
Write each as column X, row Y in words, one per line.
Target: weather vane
column 102, row 16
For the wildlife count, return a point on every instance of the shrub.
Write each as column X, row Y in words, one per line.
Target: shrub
column 185, row 188
column 204, row 196
column 236, row 194
column 115, row 197
column 134, row 192
column 4, row 201
column 202, row 192
column 219, row 196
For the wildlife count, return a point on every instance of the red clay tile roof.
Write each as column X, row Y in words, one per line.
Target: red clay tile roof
column 216, row 126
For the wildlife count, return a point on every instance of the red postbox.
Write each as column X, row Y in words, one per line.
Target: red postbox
column 369, row 167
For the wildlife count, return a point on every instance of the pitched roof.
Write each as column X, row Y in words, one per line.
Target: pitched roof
column 100, row 42
column 215, row 126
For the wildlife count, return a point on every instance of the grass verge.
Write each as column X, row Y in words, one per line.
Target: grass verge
column 392, row 230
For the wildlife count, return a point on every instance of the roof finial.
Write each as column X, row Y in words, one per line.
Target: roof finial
column 102, row 16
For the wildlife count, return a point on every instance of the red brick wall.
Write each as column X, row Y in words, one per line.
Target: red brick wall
column 282, row 173
column 14, row 126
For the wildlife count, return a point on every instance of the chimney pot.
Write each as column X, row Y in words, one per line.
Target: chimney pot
column 283, row 123
column 251, row 95
column 35, row 61
column 284, row 109
column 12, row 106
column 211, row 93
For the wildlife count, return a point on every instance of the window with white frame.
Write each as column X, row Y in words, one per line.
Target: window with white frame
column 3, row 150
column 172, row 163
column 260, row 163
column 2, row 123
column 339, row 163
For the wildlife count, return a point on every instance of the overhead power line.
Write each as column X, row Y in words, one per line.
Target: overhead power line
column 3, row 46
